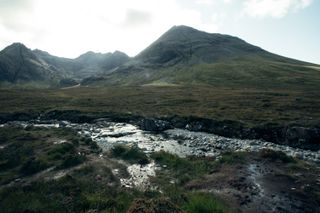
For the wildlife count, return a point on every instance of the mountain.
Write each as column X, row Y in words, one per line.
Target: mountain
column 91, row 63
column 183, row 44
column 86, row 65
column 20, row 64
column 184, row 55
column 181, row 56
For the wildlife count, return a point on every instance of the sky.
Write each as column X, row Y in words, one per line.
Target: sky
column 69, row 28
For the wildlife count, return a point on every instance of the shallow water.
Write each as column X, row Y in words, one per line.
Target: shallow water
column 176, row 141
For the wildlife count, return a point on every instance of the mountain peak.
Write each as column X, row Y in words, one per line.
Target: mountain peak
column 16, row 46
column 182, row 27
column 183, row 44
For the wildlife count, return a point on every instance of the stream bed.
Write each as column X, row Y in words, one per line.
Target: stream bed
column 175, row 141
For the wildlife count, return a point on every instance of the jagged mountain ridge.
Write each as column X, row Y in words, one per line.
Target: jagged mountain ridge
column 19, row 64
column 182, row 55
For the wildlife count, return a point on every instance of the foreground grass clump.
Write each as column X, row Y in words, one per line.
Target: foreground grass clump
column 67, row 194
column 130, row 154
column 203, row 203
column 31, row 150
column 185, row 169
column 232, row 158
column 182, row 169
column 277, row 156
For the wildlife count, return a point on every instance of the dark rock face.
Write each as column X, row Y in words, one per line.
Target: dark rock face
column 294, row 136
column 303, row 137
column 17, row 117
column 154, row 125
column 70, row 115
column 20, row 64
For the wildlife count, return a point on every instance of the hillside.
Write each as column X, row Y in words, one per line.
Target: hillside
column 86, row 65
column 20, row 64
column 181, row 56
column 184, row 55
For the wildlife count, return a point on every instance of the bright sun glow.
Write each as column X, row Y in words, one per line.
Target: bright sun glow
column 71, row 27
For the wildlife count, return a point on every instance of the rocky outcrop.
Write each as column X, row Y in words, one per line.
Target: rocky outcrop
column 293, row 135
column 154, row 125
column 308, row 138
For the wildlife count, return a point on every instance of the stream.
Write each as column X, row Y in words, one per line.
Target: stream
column 175, row 141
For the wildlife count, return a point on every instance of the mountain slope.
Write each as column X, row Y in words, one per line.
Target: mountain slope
column 85, row 65
column 184, row 55
column 185, row 44
column 92, row 63
column 20, row 64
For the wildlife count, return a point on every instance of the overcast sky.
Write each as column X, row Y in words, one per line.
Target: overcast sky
column 71, row 27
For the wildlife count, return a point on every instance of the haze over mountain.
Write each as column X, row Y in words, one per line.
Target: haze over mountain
column 182, row 55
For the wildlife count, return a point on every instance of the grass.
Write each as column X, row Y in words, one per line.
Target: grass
column 31, row 150
column 130, row 154
column 93, row 187
column 203, row 203
column 67, row 194
column 232, row 158
column 251, row 106
column 184, row 170
column 277, row 156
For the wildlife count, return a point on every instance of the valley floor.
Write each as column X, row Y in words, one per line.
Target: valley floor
column 116, row 167
column 248, row 105
column 152, row 149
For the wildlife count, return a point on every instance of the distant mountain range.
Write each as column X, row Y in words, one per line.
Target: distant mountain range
column 18, row 64
column 182, row 55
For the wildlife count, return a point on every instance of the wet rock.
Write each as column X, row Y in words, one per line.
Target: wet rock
column 154, row 125
column 63, row 123
column 308, row 138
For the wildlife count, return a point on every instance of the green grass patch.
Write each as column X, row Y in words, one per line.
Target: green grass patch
column 232, row 158
column 203, row 203
column 34, row 149
column 130, row 154
column 182, row 169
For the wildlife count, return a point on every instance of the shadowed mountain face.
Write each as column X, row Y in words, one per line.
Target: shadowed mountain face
column 182, row 55
column 85, row 65
column 20, row 64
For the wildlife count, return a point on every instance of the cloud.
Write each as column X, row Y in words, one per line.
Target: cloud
column 273, row 8
column 204, row 2
column 69, row 28
column 136, row 18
